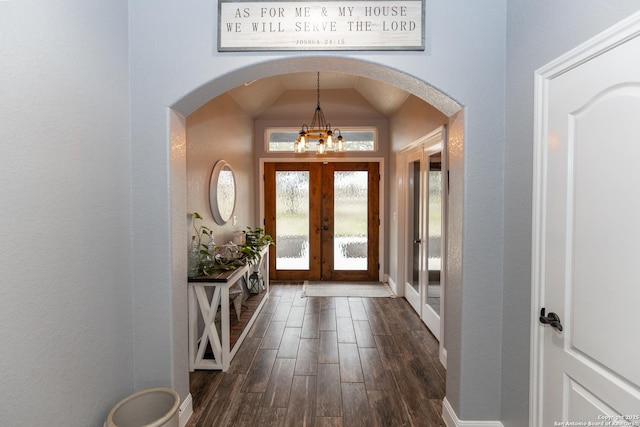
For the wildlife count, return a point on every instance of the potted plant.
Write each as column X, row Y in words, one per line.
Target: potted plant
column 201, row 256
column 255, row 240
column 206, row 258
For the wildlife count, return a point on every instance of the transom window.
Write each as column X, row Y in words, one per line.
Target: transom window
column 281, row 140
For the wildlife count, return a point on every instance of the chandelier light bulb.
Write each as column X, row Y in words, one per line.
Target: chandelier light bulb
column 321, row 147
column 320, row 130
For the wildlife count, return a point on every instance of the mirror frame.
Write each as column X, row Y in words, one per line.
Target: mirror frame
column 218, row 190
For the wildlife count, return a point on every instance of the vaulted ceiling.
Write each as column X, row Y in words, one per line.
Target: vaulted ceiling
column 257, row 96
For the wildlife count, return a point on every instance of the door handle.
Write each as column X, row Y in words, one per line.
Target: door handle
column 325, row 227
column 417, row 241
column 551, row 319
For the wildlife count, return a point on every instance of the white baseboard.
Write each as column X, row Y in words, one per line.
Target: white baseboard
column 443, row 357
column 186, row 410
column 451, row 419
column 392, row 284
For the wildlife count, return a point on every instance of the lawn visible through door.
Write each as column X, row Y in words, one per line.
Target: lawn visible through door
column 324, row 218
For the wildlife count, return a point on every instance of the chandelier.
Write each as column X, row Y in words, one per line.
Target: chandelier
column 320, row 130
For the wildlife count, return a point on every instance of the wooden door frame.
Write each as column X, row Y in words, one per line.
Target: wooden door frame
column 381, row 190
column 315, row 235
column 373, row 269
column 596, row 46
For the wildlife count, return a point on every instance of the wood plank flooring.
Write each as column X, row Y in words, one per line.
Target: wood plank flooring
column 326, row 361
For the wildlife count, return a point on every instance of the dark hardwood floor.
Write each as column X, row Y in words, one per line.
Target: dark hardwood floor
column 326, row 361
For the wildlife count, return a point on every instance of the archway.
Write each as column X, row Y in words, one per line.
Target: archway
column 419, row 88
column 201, row 95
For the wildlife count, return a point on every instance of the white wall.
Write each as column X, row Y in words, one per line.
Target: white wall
column 413, row 120
column 341, row 108
column 537, row 33
column 66, row 352
column 220, row 130
column 174, row 63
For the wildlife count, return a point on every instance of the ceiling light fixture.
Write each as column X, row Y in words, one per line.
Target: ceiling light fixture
column 320, row 130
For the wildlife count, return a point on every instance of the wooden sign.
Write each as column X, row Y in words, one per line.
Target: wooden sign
column 321, row 25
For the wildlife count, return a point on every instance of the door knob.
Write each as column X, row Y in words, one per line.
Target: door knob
column 551, row 319
column 417, row 241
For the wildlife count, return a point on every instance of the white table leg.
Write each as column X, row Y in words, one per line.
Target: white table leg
column 193, row 327
column 226, row 338
column 208, row 310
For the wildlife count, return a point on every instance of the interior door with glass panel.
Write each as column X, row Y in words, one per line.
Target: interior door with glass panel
column 434, row 280
column 324, row 218
column 414, row 223
column 425, row 237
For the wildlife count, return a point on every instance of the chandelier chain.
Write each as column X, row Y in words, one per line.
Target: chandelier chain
column 319, row 130
column 318, row 89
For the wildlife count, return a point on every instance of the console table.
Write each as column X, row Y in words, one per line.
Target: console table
column 203, row 307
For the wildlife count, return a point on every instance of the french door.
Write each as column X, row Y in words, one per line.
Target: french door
column 324, row 218
column 425, row 228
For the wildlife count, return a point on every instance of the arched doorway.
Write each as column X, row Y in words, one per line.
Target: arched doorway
column 198, row 97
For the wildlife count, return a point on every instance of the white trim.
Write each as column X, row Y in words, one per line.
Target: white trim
column 443, row 355
column 601, row 43
column 424, row 141
column 451, row 419
column 393, row 285
column 399, row 217
column 435, row 141
column 186, row 410
column 296, row 130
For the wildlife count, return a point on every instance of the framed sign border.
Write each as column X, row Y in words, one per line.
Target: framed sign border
column 316, row 47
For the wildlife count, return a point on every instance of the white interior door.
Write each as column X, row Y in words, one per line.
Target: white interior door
column 414, row 224
column 425, row 228
column 587, row 234
column 434, row 238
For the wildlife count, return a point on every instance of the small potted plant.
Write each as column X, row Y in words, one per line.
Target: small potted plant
column 255, row 240
column 202, row 249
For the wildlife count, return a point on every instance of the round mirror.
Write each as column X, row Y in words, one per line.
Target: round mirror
column 222, row 192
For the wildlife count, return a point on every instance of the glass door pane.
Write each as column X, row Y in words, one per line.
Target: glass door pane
column 292, row 203
column 434, row 260
column 416, row 216
column 414, row 229
column 350, row 221
column 292, row 220
column 350, row 210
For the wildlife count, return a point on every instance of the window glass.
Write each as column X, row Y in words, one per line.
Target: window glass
column 350, row 204
column 292, row 220
column 282, row 140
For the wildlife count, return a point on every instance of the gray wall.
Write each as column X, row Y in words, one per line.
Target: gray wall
column 413, row 120
column 220, row 130
column 94, row 208
column 66, row 333
column 174, row 62
column 537, row 32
